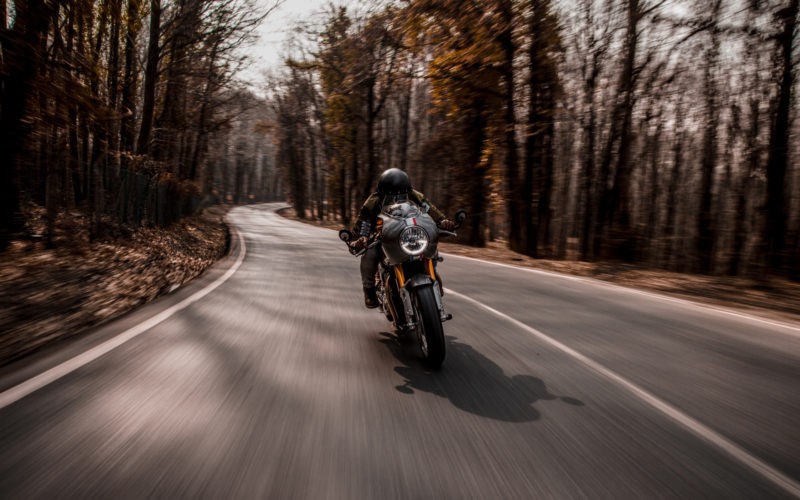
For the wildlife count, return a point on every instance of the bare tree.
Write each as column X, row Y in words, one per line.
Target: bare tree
column 778, row 160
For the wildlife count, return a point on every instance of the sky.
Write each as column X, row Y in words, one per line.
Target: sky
column 268, row 50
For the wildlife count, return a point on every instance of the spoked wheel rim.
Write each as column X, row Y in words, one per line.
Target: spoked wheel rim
column 420, row 330
column 423, row 340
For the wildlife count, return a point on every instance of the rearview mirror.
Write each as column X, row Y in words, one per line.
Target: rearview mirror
column 345, row 235
column 461, row 215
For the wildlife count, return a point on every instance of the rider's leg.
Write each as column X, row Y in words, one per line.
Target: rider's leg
column 369, row 266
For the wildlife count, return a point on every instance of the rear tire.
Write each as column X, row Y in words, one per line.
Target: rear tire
column 430, row 331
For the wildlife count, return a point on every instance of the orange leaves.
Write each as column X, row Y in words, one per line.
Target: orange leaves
column 466, row 55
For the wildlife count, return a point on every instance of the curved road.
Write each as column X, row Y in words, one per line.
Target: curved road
column 267, row 378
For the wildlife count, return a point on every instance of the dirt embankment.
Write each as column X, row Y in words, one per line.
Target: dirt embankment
column 47, row 295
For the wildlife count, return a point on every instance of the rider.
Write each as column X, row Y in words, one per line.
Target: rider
column 393, row 185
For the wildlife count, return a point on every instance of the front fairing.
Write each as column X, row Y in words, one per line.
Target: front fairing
column 396, row 218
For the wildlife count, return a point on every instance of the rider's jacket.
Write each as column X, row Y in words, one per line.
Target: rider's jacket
column 374, row 204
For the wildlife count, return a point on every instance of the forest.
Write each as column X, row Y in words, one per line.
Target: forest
column 126, row 113
column 655, row 132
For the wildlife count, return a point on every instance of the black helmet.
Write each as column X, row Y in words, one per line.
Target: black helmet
column 394, row 182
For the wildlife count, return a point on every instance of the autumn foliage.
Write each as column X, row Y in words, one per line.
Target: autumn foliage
column 125, row 111
column 642, row 131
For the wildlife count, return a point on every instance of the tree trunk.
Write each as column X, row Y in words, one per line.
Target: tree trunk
column 671, row 217
column 21, row 59
column 372, row 168
column 130, row 78
column 516, row 199
column 705, row 219
column 405, row 119
column 201, row 143
column 115, row 13
column 127, row 135
column 169, row 124
column 589, row 174
column 150, row 78
column 476, row 136
column 622, row 243
column 539, row 146
column 777, row 162
column 742, row 192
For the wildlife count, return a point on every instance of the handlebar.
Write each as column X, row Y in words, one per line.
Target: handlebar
column 348, row 238
column 372, row 242
column 375, row 238
column 459, row 219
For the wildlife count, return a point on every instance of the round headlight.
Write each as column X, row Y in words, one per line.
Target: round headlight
column 413, row 240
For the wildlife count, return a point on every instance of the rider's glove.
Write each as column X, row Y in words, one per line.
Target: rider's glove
column 447, row 225
column 360, row 243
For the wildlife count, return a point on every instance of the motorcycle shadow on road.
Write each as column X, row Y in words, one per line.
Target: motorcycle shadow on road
column 473, row 383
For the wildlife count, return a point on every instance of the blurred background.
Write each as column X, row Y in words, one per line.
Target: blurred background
column 661, row 133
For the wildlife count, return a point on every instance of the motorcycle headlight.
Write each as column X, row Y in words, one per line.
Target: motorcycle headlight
column 414, row 240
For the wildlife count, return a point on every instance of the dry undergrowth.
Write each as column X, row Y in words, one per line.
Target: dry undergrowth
column 51, row 294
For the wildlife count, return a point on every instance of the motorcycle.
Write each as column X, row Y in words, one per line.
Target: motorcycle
column 408, row 287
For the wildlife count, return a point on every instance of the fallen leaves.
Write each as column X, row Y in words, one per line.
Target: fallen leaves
column 47, row 295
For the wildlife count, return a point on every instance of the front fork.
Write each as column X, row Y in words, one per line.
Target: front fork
column 405, row 295
column 408, row 308
column 437, row 293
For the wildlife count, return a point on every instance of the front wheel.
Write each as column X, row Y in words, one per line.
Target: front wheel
column 430, row 332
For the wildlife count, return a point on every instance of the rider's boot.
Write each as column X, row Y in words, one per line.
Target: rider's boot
column 370, row 298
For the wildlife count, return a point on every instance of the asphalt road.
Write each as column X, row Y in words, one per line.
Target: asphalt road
column 267, row 378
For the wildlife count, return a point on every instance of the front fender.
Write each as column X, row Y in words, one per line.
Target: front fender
column 417, row 281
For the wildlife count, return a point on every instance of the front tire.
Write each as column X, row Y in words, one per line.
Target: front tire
column 430, row 331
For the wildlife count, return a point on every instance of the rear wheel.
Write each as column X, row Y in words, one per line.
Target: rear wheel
column 430, row 331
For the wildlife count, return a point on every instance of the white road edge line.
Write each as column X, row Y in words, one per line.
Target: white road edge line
column 696, row 427
column 33, row 384
column 795, row 330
